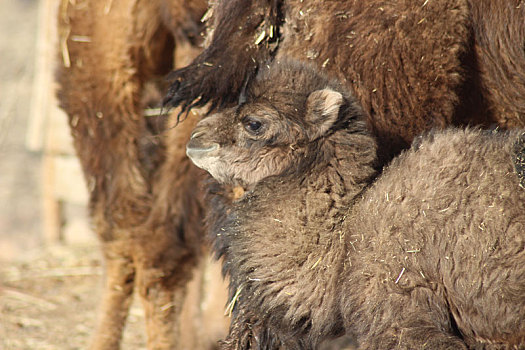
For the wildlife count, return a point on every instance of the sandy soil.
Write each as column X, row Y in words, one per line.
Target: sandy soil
column 48, row 300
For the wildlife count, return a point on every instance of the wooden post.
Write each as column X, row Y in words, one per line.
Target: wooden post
column 48, row 131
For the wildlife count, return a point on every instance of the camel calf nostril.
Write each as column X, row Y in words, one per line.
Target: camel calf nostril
column 196, row 134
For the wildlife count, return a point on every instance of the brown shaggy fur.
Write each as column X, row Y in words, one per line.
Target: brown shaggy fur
column 430, row 255
column 412, row 65
column 145, row 195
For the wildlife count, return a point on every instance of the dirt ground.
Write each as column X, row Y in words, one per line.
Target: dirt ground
column 48, row 300
column 48, row 295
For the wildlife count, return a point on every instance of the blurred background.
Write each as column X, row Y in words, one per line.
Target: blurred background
column 42, row 194
column 20, row 168
column 50, row 264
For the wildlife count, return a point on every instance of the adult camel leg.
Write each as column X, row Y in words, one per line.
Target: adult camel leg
column 109, row 50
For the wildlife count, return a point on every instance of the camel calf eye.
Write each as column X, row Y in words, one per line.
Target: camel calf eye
column 253, row 126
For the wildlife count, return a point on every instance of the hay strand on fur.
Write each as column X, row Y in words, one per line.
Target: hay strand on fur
column 107, row 7
column 231, row 304
column 64, row 49
column 81, row 38
column 400, row 274
column 316, row 263
column 155, row 112
column 207, row 15
column 260, row 38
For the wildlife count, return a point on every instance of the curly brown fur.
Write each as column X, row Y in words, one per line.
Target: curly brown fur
column 430, row 255
column 499, row 44
column 145, row 195
column 412, row 65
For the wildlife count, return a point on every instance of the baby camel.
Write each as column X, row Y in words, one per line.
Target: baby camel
column 429, row 254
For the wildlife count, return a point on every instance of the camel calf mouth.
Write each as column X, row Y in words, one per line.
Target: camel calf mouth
column 194, row 151
column 200, row 149
column 200, row 153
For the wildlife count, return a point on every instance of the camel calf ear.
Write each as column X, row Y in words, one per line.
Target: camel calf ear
column 322, row 110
